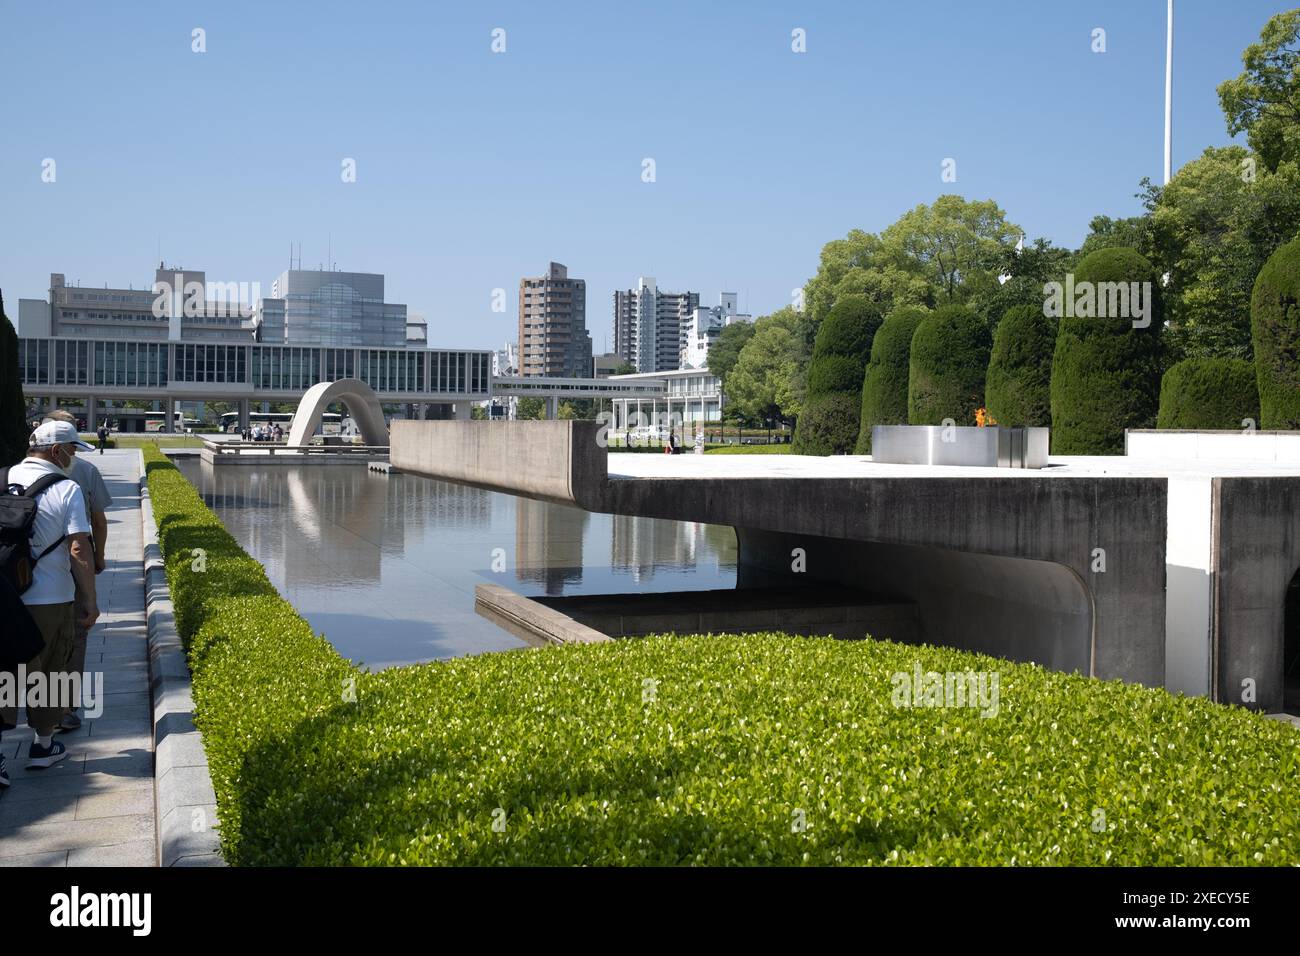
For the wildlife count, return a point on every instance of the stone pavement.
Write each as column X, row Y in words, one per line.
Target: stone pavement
column 96, row 807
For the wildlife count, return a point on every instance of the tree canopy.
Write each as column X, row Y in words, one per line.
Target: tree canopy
column 1264, row 101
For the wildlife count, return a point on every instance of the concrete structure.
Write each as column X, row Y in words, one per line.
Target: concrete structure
column 688, row 396
column 553, row 337
column 993, row 446
column 705, row 325
column 1065, row 566
column 650, row 325
column 626, row 388
column 171, row 372
column 361, row 403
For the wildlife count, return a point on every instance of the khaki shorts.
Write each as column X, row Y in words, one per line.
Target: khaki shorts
column 57, row 624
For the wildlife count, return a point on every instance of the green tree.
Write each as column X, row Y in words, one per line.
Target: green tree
column 1216, row 223
column 839, row 358
column 765, row 381
column 1275, row 324
column 948, row 362
column 884, row 383
column 1134, row 232
column 1025, row 273
column 1264, row 101
column 1208, row 393
column 725, row 350
column 530, row 409
column 625, row 368
column 1018, row 387
column 478, row 413
column 1106, row 371
column 13, row 409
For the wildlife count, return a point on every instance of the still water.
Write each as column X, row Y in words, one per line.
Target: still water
column 386, row 566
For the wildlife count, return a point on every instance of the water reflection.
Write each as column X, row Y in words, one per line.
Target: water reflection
column 386, row 567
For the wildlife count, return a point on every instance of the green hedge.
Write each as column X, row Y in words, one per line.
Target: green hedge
column 828, row 424
column 742, row 738
column 949, row 359
column 884, row 383
column 1105, row 372
column 1018, row 388
column 1275, row 332
column 1208, row 393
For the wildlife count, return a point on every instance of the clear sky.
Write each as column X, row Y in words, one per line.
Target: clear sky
column 475, row 168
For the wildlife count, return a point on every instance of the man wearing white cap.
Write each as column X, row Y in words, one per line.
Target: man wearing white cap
column 65, row 566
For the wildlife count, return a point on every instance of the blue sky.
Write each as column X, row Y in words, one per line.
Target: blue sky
column 475, row 168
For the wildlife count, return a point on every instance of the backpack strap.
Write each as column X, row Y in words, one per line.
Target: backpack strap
column 43, row 483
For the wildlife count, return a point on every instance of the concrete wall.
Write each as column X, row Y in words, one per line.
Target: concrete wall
column 1236, row 446
column 1256, row 554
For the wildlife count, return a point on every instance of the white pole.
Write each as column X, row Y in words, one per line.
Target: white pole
column 1169, row 93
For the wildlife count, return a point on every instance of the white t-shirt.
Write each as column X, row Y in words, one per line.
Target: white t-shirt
column 60, row 510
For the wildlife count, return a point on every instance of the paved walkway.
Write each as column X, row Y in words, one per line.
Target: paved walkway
column 96, row 807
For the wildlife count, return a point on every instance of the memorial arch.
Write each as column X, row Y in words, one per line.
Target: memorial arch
column 357, row 397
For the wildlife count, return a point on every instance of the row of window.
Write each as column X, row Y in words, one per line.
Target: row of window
column 288, row 368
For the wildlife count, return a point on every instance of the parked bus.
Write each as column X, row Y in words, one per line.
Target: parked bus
column 153, row 422
column 331, row 423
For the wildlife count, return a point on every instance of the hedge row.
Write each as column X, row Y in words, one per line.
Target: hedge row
column 764, row 749
column 884, row 383
column 828, row 424
column 1275, row 333
column 949, row 358
column 1018, row 389
column 1208, row 393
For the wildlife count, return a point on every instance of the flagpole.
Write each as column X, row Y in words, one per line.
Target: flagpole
column 1169, row 93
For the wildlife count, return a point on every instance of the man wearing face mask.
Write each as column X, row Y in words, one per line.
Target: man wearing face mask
column 95, row 492
column 65, row 569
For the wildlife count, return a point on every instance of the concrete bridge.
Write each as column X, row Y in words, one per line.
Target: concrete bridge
column 1071, row 566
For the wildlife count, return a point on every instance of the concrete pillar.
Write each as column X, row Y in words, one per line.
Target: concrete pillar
column 169, row 414
column 245, row 411
column 552, row 408
column 462, row 411
column 92, row 413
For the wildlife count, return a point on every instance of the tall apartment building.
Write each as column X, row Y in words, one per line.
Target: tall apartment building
column 553, row 337
column 703, row 329
column 332, row 308
column 650, row 325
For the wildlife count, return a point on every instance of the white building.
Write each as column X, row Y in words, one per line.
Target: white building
column 703, row 329
column 693, row 395
column 650, row 325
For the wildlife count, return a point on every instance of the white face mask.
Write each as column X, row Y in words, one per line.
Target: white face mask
column 65, row 468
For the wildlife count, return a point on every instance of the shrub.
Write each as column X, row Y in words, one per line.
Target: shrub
column 828, row 424
column 1275, row 332
column 884, row 384
column 1018, row 388
column 1208, row 393
column 416, row 765
column 949, row 358
column 1105, row 372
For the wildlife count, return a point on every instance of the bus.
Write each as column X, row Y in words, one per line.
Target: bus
column 331, row 423
column 153, row 422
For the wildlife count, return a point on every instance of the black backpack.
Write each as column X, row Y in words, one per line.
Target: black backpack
column 17, row 515
column 21, row 641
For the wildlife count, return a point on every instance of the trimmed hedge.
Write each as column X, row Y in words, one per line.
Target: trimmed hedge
column 884, row 384
column 1208, row 393
column 828, row 424
column 1105, row 372
column 1018, row 387
column 744, row 736
column 949, row 359
column 1275, row 333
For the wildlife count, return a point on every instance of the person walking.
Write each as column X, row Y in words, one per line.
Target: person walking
column 61, row 564
column 95, row 493
column 102, row 435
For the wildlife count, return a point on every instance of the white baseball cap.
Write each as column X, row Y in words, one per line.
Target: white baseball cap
column 57, row 433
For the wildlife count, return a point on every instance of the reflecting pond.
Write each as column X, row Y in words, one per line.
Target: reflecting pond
column 386, row 566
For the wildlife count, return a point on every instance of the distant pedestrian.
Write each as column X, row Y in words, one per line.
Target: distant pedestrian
column 102, row 435
column 47, row 574
column 279, row 433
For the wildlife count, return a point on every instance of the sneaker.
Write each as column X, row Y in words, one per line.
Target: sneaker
column 40, row 756
column 70, row 721
column 4, row 772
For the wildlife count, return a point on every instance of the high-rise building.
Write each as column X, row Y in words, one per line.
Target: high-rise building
column 703, row 329
column 327, row 307
column 553, row 337
column 650, row 325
